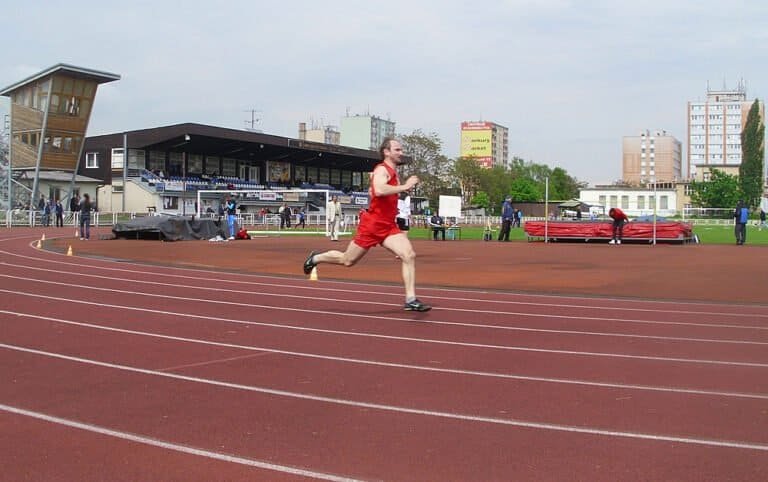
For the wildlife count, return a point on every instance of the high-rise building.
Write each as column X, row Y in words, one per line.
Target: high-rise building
column 324, row 134
column 365, row 131
column 714, row 131
column 653, row 156
column 486, row 142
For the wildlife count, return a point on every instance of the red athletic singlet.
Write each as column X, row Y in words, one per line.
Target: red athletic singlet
column 378, row 222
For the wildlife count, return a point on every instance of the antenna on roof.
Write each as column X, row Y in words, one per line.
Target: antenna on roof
column 254, row 125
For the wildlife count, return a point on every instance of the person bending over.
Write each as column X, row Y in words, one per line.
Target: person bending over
column 619, row 218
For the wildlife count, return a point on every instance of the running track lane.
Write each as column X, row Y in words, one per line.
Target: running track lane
column 377, row 441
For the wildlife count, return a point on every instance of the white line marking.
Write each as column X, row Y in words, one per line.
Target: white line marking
column 281, row 281
column 387, row 337
column 427, row 321
column 265, row 350
column 284, row 286
column 171, row 446
column 412, row 411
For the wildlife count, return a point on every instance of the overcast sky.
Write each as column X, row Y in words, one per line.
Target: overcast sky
column 568, row 78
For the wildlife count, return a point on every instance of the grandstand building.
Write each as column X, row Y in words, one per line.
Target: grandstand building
column 166, row 166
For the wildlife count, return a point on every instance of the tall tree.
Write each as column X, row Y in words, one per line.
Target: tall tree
column 753, row 154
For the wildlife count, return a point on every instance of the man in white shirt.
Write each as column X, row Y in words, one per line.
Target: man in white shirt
column 334, row 217
column 403, row 218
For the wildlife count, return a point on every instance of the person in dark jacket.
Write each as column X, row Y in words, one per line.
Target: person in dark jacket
column 85, row 217
column 741, row 217
column 507, row 216
column 59, row 211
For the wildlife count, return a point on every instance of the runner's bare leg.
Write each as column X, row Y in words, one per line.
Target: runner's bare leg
column 400, row 245
column 352, row 255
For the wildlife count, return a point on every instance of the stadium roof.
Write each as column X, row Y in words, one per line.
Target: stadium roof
column 240, row 144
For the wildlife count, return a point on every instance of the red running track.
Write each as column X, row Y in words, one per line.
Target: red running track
column 122, row 371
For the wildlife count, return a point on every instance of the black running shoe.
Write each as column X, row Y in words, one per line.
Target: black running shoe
column 309, row 265
column 416, row 305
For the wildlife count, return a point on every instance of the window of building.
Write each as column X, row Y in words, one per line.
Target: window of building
column 229, row 167
column 664, row 202
column 91, row 160
column 640, row 202
column 614, row 201
column 601, row 200
column 624, row 202
column 117, row 158
column 651, row 202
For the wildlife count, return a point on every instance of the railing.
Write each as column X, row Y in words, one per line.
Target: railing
column 20, row 217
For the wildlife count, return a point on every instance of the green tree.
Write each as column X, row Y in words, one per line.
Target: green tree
column 753, row 153
column 432, row 168
column 467, row 173
column 481, row 200
column 721, row 191
column 524, row 189
column 496, row 182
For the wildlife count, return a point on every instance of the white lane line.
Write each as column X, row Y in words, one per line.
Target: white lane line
column 281, row 281
column 286, row 287
column 407, row 410
column 389, row 337
column 171, row 446
column 428, row 321
column 453, row 371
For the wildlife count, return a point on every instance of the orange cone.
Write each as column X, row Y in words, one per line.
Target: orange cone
column 43, row 238
column 313, row 274
column 69, row 250
column 38, row 245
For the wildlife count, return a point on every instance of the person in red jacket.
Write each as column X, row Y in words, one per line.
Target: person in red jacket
column 619, row 218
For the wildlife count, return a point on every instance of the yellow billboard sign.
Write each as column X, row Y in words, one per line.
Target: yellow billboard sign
column 476, row 143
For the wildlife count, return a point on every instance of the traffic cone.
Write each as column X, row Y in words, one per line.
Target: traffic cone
column 69, row 250
column 77, row 233
column 38, row 245
column 313, row 274
column 43, row 238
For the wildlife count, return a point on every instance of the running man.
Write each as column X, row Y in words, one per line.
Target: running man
column 378, row 226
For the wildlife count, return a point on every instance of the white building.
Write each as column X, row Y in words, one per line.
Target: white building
column 666, row 198
column 714, row 131
column 365, row 131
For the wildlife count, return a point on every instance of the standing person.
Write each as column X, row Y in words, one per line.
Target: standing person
column 762, row 219
column 377, row 225
column 404, row 212
column 301, row 222
column 230, row 206
column 619, row 218
column 741, row 217
column 334, row 217
column 85, row 217
column 46, row 214
column 507, row 213
column 59, row 210
column 74, row 203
